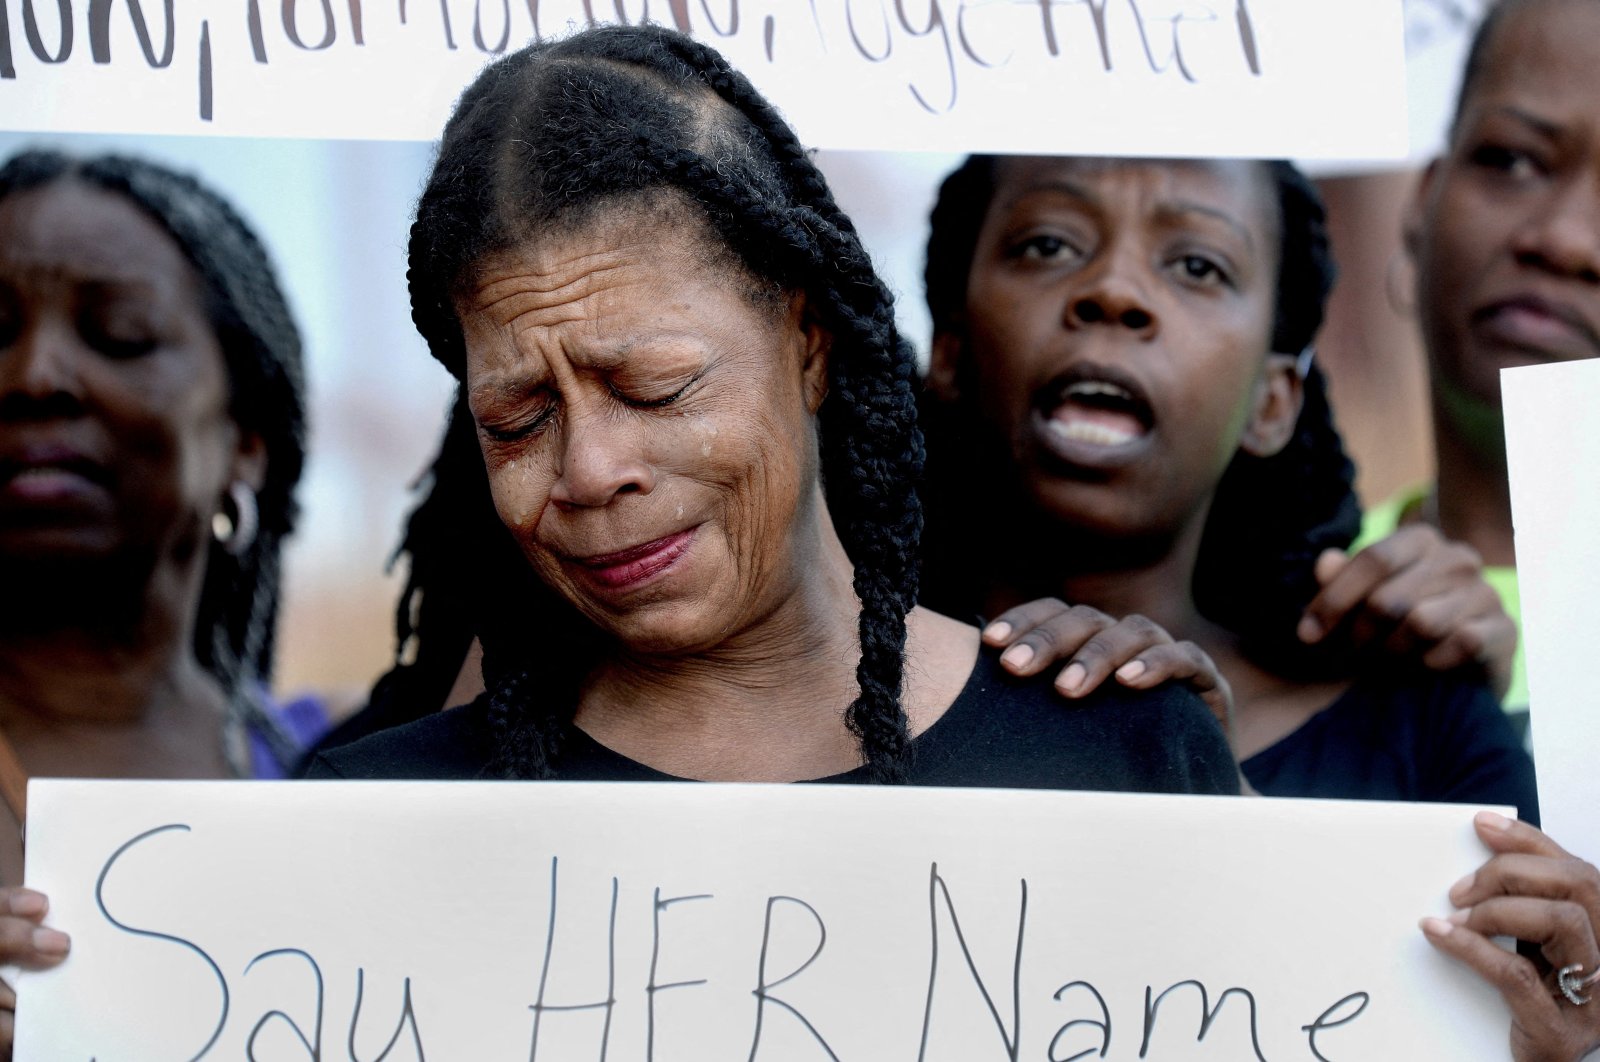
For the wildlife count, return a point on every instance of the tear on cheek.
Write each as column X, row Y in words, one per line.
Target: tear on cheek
column 707, row 432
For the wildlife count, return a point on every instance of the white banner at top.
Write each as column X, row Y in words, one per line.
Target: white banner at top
column 1302, row 78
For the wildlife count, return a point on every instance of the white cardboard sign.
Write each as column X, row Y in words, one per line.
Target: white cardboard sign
column 1302, row 78
column 560, row 922
column 1552, row 454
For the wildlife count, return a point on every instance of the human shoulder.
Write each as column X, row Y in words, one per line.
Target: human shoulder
column 1021, row 732
column 454, row 744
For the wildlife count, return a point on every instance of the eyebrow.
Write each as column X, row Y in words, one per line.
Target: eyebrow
column 1544, row 126
column 1170, row 210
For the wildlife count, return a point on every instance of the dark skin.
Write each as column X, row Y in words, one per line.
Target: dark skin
column 116, row 446
column 1505, row 233
column 1154, row 284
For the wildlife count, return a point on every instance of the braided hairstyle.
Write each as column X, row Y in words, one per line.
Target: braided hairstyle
column 236, row 624
column 618, row 117
column 1270, row 516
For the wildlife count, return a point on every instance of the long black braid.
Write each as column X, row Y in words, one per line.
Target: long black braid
column 236, row 626
column 1270, row 517
column 551, row 136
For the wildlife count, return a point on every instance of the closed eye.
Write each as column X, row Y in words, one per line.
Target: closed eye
column 651, row 403
column 521, row 430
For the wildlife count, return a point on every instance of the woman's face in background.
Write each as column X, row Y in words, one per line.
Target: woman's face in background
column 1117, row 321
column 115, row 434
column 1506, row 230
column 648, row 427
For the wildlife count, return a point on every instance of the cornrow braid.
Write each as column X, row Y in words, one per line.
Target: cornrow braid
column 617, row 117
column 236, row 625
column 1270, row 517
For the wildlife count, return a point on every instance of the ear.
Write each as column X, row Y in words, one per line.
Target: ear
column 1411, row 222
column 1280, row 392
column 249, row 461
column 944, row 362
column 816, row 347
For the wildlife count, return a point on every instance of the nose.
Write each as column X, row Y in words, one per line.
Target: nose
column 1109, row 292
column 601, row 459
column 1564, row 236
column 39, row 374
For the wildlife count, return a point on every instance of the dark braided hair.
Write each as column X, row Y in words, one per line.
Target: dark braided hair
column 1270, row 516
column 236, row 624
column 629, row 118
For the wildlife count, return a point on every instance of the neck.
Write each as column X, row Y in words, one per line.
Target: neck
column 97, row 644
column 1473, row 493
column 1117, row 574
column 765, row 704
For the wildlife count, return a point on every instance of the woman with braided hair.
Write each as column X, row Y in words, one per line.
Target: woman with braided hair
column 698, row 446
column 152, row 430
column 1116, row 375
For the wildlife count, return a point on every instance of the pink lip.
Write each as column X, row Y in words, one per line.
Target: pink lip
column 1539, row 326
column 49, row 474
column 633, row 567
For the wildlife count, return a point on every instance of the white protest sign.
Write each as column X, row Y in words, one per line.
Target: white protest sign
column 1302, row 78
column 1552, row 454
column 685, row 923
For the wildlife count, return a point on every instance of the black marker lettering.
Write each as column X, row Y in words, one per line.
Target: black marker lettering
column 258, row 42
column 505, row 28
column 935, row 22
column 100, row 902
column 1322, row 1021
column 100, row 32
column 312, row 1044
column 1247, row 37
column 30, row 27
column 206, row 102
column 1047, row 17
column 972, row 51
column 1103, row 1023
column 763, row 991
column 1208, row 1014
column 711, row 20
column 1013, row 1040
column 408, row 1016
column 855, row 37
column 768, row 30
column 291, row 25
column 356, row 22
column 8, row 68
column 609, row 1003
column 651, row 987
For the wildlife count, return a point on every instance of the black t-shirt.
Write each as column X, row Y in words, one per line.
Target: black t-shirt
column 999, row 731
column 1410, row 735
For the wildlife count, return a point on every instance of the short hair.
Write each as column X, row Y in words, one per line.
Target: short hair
column 1270, row 516
column 610, row 118
column 236, row 624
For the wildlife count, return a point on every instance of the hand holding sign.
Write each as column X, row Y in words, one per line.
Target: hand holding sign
column 26, row 943
column 1535, row 891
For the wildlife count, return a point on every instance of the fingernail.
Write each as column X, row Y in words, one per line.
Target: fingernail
column 1309, row 629
column 1460, row 888
column 1436, row 927
column 997, row 631
column 1460, row 917
column 1131, row 670
column 1490, row 821
column 28, row 904
column 50, row 941
column 1017, row 656
column 1072, row 678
